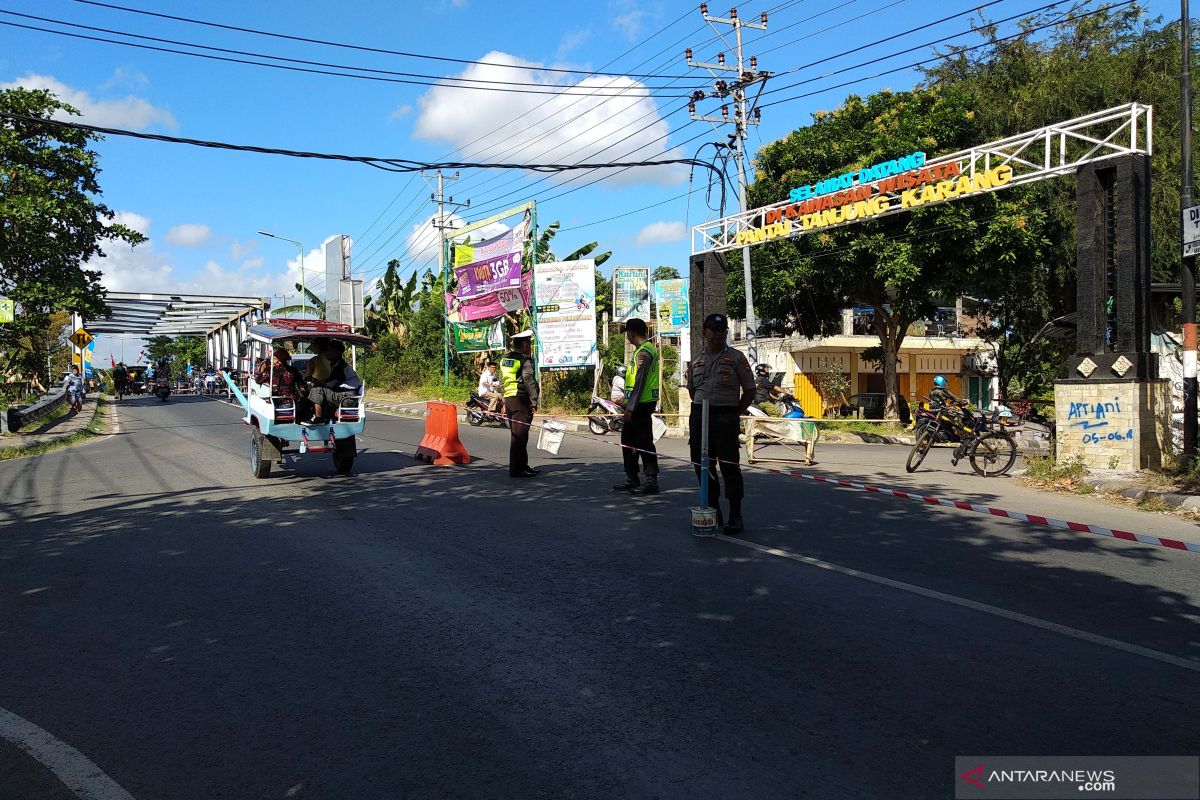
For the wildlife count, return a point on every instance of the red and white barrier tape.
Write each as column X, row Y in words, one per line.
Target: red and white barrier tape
column 1020, row 516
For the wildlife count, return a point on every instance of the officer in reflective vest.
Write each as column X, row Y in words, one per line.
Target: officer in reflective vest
column 641, row 400
column 519, row 377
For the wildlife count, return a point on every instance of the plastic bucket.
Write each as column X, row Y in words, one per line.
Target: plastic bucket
column 551, row 437
column 704, row 521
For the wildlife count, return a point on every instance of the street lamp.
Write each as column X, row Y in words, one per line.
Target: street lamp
column 300, row 247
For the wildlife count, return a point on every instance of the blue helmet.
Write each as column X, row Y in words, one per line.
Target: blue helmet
column 940, row 381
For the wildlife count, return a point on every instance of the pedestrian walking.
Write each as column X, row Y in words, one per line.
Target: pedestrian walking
column 722, row 376
column 521, row 392
column 641, row 399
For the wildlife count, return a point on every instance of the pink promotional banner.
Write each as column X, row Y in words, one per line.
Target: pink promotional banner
column 490, row 265
column 495, row 304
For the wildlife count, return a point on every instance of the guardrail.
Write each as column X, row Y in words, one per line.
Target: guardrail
column 17, row 417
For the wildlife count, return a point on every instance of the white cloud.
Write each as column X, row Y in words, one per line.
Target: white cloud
column 571, row 40
column 551, row 129
column 125, row 78
column 189, row 235
column 629, row 25
column 131, row 220
column 243, row 249
column 145, row 269
column 127, row 112
column 661, row 233
column 401, row 112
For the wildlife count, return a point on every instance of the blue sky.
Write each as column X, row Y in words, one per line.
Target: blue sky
column 201, row 208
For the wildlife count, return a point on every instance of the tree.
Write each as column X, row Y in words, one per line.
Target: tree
column 51, row 222
column 313, row 305
column 664, row 273
column 392, row 311
column 832, row 385
column 905, row 265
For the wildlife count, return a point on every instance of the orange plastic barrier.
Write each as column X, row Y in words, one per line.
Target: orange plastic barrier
column 440, row 444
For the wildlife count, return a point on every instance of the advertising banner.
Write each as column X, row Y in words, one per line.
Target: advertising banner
column 631, row 293
column 477, row 337
column 7, row 307
column 491, row 305
column 671, row 305
column 490, row 265
column 566, row 314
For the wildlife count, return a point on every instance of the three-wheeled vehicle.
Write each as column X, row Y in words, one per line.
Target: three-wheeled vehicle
column 276, row 421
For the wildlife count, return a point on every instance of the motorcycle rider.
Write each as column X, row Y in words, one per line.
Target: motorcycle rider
column 766, row 393
column 940, row 395
column 616, row 392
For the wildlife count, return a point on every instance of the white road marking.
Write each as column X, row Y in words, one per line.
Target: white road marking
column 974, row 605
column 69, row 765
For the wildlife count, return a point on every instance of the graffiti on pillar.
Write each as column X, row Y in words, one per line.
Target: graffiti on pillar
column 1090, row 416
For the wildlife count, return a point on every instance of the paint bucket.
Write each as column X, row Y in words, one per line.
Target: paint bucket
column 551, row 437
column 704, row 521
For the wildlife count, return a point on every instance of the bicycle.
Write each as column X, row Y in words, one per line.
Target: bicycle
column 990, row 449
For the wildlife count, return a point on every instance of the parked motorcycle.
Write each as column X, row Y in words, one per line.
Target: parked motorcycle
column 604, row 415
column 478, row 413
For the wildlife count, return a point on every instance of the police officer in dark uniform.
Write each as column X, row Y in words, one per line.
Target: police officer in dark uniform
column 721, row 375
column 521, row 393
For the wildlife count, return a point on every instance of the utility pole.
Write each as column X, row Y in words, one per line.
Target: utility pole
column 1187, row 270
column 440, row 222
column 745, row 113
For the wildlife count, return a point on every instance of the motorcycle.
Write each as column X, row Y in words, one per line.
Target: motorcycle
column 925, row 417
column 604, row 415
column 162, row 391
column 478, row 413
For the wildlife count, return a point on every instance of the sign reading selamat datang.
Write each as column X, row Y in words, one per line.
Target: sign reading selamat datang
column 903, row 182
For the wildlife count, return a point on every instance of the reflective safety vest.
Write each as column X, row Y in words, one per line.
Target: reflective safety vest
column 510, row 375
column 650, row 390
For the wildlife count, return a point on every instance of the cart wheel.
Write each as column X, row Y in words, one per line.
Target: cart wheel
column 343, row 455
column 259, row 464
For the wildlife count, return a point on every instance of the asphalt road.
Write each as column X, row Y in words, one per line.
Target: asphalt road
column 418, row 631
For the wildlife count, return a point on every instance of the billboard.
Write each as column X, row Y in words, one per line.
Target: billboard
column 490, row 265
column 671, row 305
column 477, row 337
column 565, row 292
column 337, row 266
column 631, row 293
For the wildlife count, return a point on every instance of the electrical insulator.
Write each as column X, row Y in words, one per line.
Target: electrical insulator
column 704, row 8
column 753, row 62
column 725, row 112
column 757, row 114
column 688, row 54
column 763, row 17
column 733, row 13
column 721, row 59
column 692, row 107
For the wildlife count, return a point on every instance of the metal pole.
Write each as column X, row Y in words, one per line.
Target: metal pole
column 533, row 288
column 704, row 453
column 304, row 291
column 1188, row 264
column 741, row 122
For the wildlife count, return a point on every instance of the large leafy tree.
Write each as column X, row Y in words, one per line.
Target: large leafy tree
column 51, row 221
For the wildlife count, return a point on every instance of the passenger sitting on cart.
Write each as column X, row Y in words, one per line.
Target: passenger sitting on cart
column 319, row 365
column 343, row 382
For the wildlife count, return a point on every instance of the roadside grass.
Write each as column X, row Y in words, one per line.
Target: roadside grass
column 1155, row 504
column 876, row 428
column 1046, row 472
column 94, row 428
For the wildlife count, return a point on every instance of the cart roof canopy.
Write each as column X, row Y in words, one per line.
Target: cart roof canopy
column 305, row 330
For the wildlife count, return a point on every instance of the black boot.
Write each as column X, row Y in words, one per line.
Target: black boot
column 630, row 484
column 735, row 526
column 649, row 487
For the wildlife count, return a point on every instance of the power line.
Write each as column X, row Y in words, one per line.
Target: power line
column 347, row 46
column 437, row 79
column 1018, row 35
column 308, row 70
column 388, row 164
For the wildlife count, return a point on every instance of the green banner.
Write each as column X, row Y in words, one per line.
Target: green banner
column 6, row 310
column 477, row 337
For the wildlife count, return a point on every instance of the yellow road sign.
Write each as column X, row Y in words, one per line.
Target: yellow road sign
column 81, row 338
